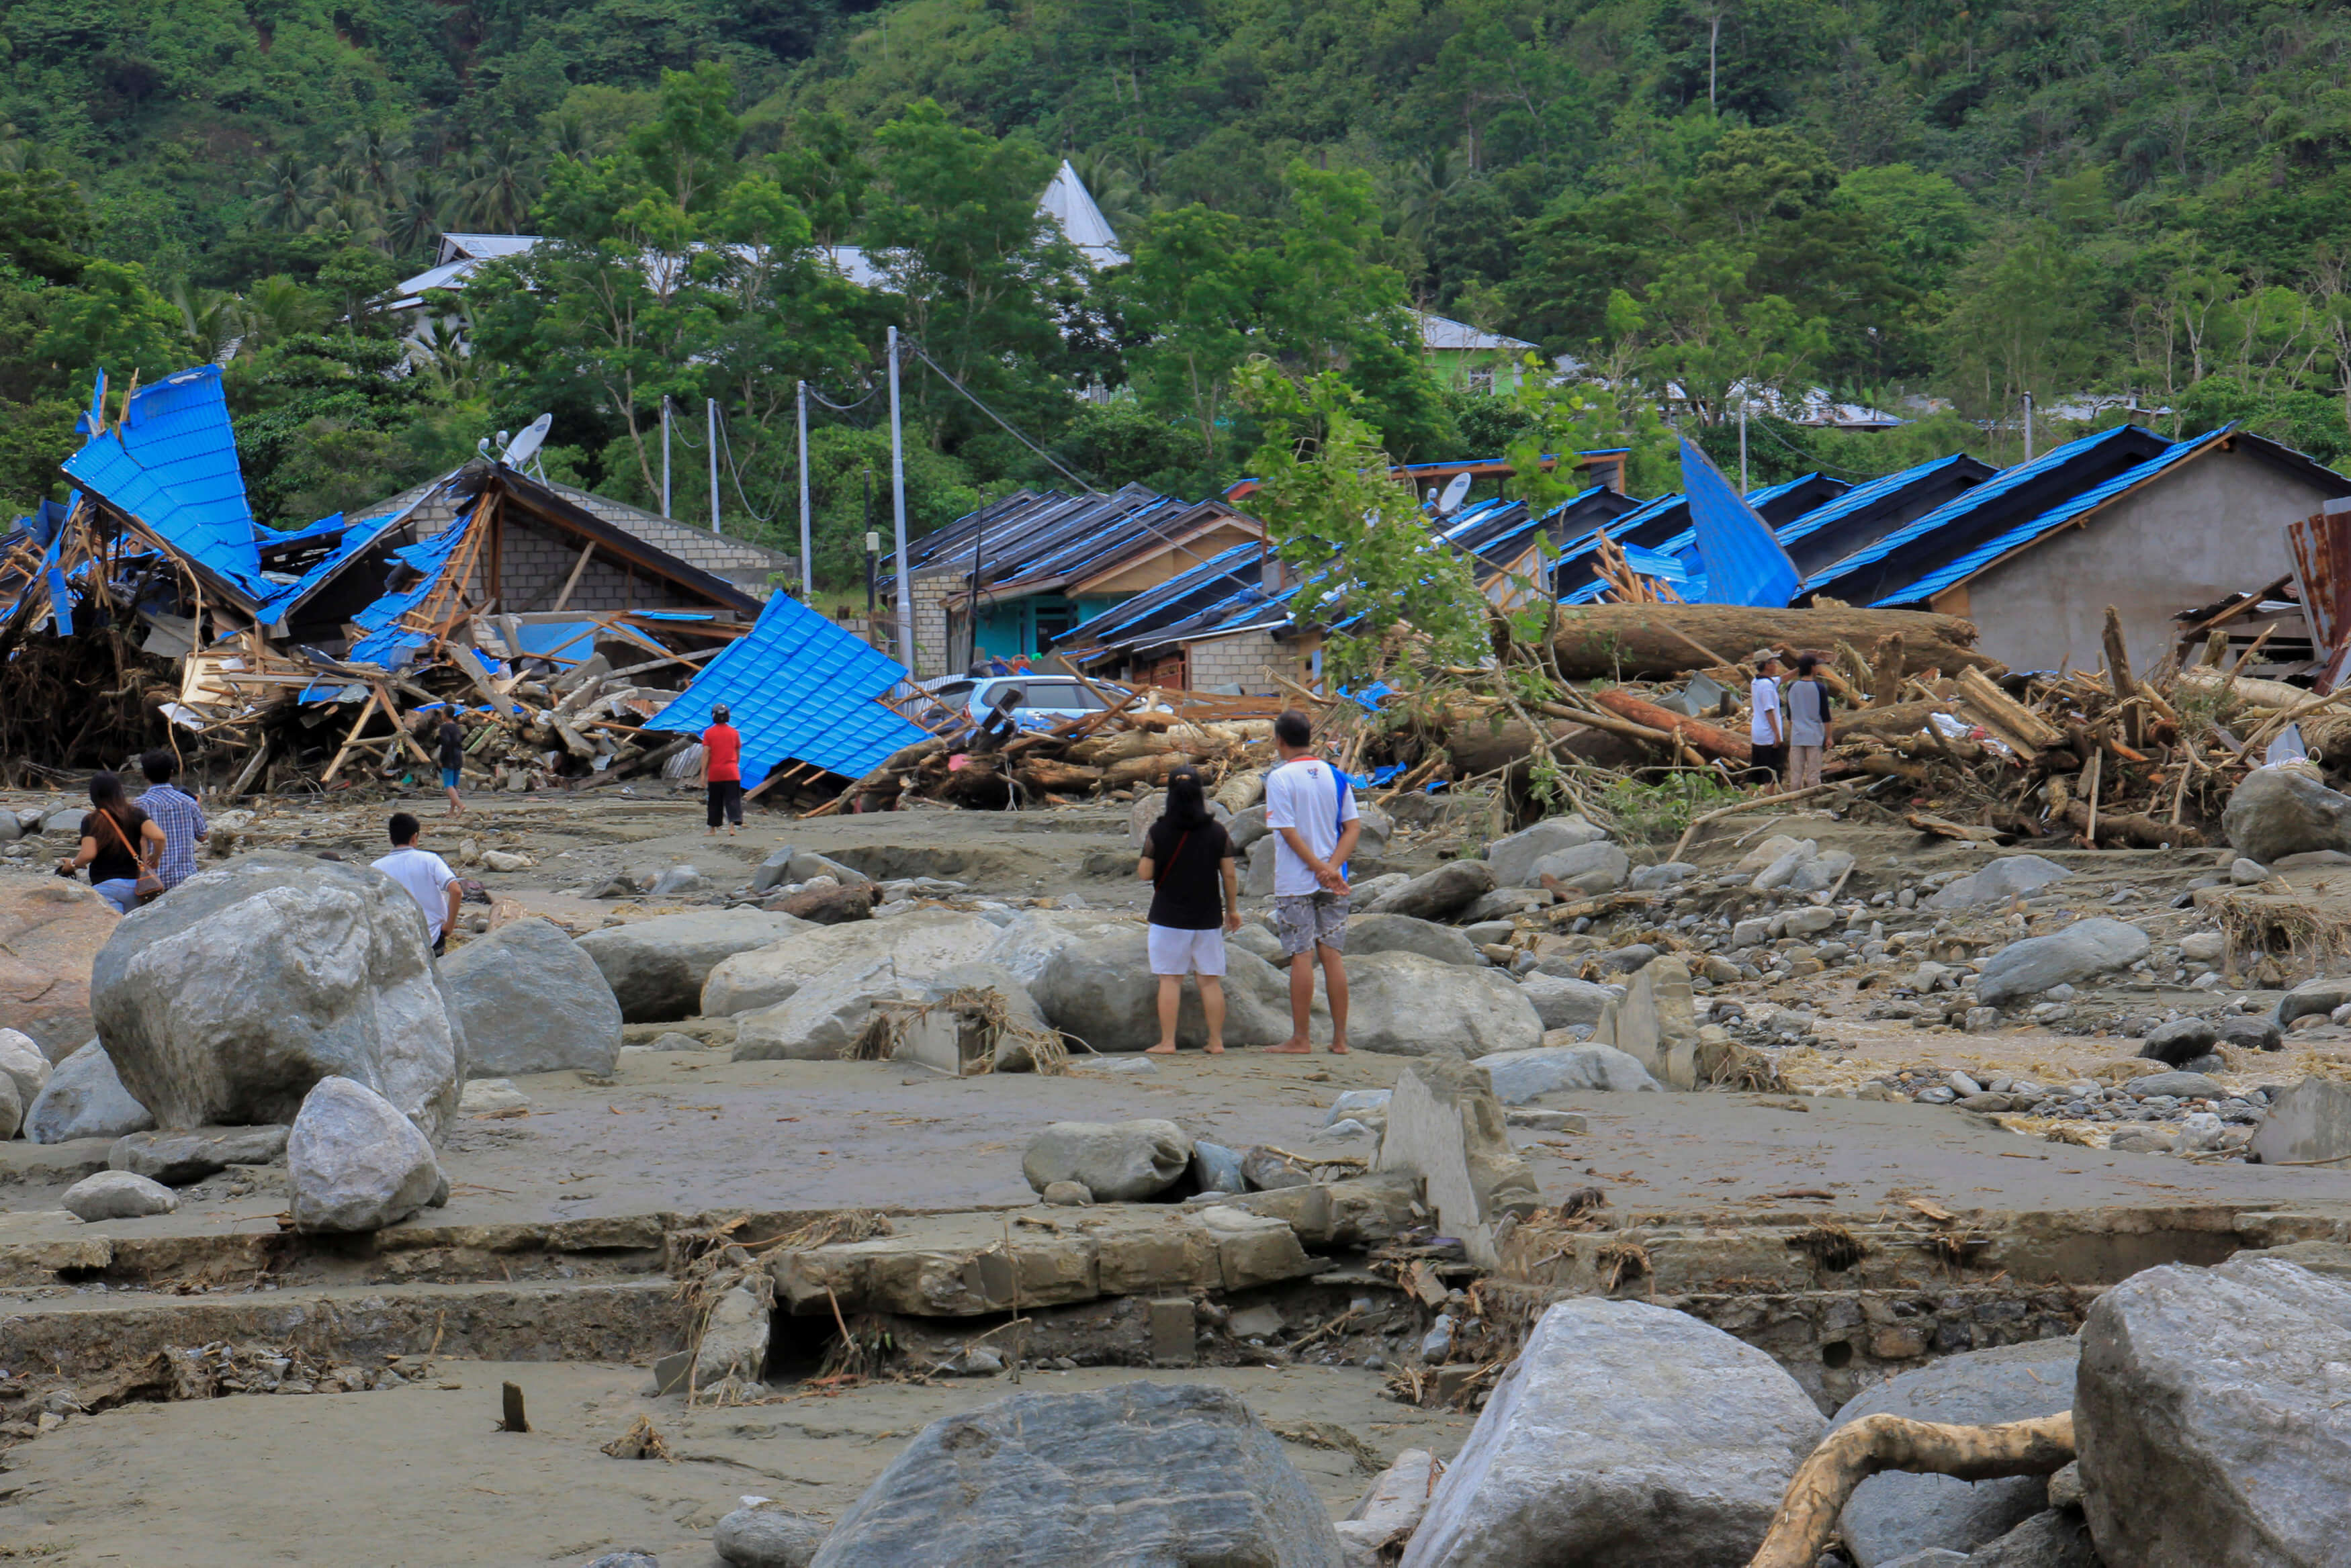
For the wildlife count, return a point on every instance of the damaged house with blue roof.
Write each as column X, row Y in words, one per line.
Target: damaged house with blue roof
column 563, row 629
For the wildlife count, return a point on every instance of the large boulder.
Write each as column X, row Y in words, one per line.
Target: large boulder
column 2311, row 1121
column 1034, row 936
column 2010, row 876
column 1655, row 1023
column 1142, row 1473
column 1118, row 1162
column 1562, row 1001
column 2285, row 811
column 532, row 1002
column 177, row 1159
column 24, row 1065
column 767, row 1536
column 2081, row 952
column 656, row 968
column 1104, row 993
column 2212, row 1418
column 1892, row 1514
column 1445, row 1126
column 50, row 932
column 1149, row 806
column 85, row 1099
column 12, row 1108
column 823, row 1019
column 1598, row 867
column 225, row 1003
column 1438, row 895
column 1408, row 1005
column 2320, row 995
column 354, row 1163
column 1371, row 933
column 1624, row 1435
column 1513, row 858
column 1523, row 1078
column 916, row 943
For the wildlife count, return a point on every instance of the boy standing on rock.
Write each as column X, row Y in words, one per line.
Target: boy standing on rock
column 1311, row 811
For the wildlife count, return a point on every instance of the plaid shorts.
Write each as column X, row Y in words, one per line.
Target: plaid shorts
column 1302, row 919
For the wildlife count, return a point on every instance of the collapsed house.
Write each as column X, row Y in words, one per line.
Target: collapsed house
column 553, row 624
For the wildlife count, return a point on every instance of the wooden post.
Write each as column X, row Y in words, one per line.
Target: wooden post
column 2096, row 771
column 2118, row 675
column 366, row 708
column 1885, row 661
column 579, row 568
column 510, row 1403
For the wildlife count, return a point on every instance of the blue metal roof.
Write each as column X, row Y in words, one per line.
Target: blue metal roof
column 171, row 465
column 1960, row 569
column 1131, row 612
column 1744, row 563
column 1864, row 495
column 799, row 689
column 2001, row 487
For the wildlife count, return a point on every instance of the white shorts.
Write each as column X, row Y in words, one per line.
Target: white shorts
column 1175, row 951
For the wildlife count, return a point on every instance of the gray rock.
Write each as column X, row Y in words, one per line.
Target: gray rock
column 1596, row 868
column 1820, row 873
column 1256, row 868
column 2008, row 878
column 1215, row 1168
column 63, row 822
column 1523, row 1077
column 1562, row 1003
column 2181, row 1085
column 12, row 1108
column 768, row 1537
column 532, row 1002
column 1102, row 991
column 1263, row 1171
column 1118, row 1162
column 1503, row 903
column 825, row 1018
column 2080, row 952
column 673, row 1040
column 1513, row 857
column 1025, row 946
column 1895, row 1513
column 25, row 1065
column 1775, row 876
column 1666, row 874
column 85, row 1099
column 1258, row 941
column 2048, row 1540
column 2210, row 1419
column 1627, row 959
column 1624, row 1435
column 11, row 829
column 1810, row 921
column 1438, row 895
column 1245, row 828
column 354, row 1162
column 1375, row 933
column 2285, row 811
column 625, row 1559
column 2322, row 995
column 656, row 968
column 1067, row 1194
column 1404, row 1005
column 731, row 1352
column 118, row 1195
column 178, row 1158
column 1140, row 1474
column 2203, row 947
column 224, row 1003
column 678, row 879
column 2250, row 1033
column 2246, row 872
column 2179, row 1042
column 2312, row 1120
column 1445, row 1126
column 1655, row 1023
column 775, row 870
column 1933, row 1557
column 1371, row 1103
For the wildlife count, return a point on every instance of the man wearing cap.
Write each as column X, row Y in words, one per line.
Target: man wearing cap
column 1766, row 729
column 722, row 773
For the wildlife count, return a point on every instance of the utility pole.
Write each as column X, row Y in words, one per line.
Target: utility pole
column 710, row 407
column 898, row 509
column 665, row 454
column 1742, row 443
column 2028, row 427
column 808, row 592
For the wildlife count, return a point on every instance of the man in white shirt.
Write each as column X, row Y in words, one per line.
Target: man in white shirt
column 1766, row 732
column 426, row 876
column 1311, row 811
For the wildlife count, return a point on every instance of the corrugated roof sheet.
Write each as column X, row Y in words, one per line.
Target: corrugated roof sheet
column 385, row 642
column 1744, row 563
column 171, row 464
column 799, row 689
column 1961, row 568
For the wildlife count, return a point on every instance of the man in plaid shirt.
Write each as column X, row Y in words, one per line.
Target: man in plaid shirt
column 177, row 813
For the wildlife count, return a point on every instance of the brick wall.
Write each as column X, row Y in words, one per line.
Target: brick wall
column 1243, row 659
column 931, row 624
column 533, row 562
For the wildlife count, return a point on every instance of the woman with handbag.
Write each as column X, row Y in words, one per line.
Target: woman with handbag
column 1195, row 899
column 121, row 845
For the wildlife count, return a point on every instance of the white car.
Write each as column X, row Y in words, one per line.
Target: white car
column 1043, row 699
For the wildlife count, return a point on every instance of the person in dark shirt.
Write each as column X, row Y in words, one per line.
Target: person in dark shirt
column 119, row 843
column 1195, row 899
column 452, row 762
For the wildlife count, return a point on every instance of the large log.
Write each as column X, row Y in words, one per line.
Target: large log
column 1708, row 740
column 1607, row 640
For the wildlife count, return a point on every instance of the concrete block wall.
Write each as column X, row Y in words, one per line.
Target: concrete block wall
column 931, row 624
column 1243, row 659
column 534, row 562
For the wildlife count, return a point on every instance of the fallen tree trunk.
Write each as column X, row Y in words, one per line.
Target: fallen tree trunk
column 1852, row 1454
column 1889, row 723
column 1707, row 739
column 1609, row 641
column 2134, row 828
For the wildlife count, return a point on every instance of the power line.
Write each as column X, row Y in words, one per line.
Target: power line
column 726, row 444
column 1086, row 484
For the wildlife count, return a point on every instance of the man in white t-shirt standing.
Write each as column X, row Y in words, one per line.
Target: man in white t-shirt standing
column 1767, row 734
column 1312, row 812
column 426, row 876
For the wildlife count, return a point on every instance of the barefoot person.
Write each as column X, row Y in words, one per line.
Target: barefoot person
column 1195, row 899
column 1767, row 737
column 722, row 773
column 1309, row 807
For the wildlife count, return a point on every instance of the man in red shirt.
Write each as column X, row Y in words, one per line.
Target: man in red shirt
column 722, row 773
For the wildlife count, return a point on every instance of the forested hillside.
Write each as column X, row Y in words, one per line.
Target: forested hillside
column 1892, row 200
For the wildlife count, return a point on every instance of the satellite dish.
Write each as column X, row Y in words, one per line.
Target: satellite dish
column 525, row 447
column 1456, row 489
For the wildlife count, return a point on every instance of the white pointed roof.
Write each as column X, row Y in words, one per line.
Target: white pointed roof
column 1072, row 205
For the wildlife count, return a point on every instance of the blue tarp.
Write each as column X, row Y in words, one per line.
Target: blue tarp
column 799, row 689
column 1744, row 563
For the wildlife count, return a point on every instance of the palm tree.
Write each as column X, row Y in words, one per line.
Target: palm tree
column 282, row 192
column 570, row 137
column 416, row 218
column 209, row 318
column 501, row 182
column 277, row 308
column 1429, row 181
column 377, row 158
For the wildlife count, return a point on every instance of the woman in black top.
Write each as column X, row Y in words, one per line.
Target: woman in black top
column 1195, row 899
column 118, row 842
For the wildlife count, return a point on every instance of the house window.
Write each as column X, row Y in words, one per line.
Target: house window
column 1482, row 381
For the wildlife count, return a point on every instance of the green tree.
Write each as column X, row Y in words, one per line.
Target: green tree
column 113, row 319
